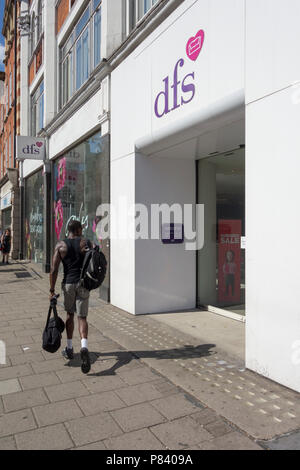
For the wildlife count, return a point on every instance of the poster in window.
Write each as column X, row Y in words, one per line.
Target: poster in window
column 229, row 262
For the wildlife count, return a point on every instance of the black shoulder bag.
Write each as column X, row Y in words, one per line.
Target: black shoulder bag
column 53, row 329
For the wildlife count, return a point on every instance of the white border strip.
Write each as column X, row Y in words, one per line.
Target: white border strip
column 226, row 313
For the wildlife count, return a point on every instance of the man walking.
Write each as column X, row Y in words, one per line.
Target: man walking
column 71, row 252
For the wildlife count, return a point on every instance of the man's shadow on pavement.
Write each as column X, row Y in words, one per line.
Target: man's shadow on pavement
column 125, row 357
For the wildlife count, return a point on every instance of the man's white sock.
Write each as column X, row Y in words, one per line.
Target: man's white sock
column 69, row 344
column 84, row 343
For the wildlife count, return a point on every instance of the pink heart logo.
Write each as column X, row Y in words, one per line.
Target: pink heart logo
column 39, row 144
column 194, row 45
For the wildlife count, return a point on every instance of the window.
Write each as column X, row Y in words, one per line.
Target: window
column 32, row 34
column 136, row 9
column 10, row 89
column 81, row 53
column 40, row 20
column 37, row 110
column 97, row 38
column 82, row 58
column 9, row 150
column 6, row 155
column 34, row 227
column 80, row 184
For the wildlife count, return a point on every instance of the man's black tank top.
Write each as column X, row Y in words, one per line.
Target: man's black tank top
column 73, row 261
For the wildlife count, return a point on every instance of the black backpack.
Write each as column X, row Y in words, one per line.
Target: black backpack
column 93, row 269
column 53, row 329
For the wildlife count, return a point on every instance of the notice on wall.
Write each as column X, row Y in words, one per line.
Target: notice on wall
column 172, row 233
column 229, row 262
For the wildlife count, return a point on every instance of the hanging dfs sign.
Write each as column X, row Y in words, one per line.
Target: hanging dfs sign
column 182, row 90
column 229, row 281
column 30, row 148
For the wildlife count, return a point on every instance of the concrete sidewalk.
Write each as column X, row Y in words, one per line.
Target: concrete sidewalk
column 151, row 385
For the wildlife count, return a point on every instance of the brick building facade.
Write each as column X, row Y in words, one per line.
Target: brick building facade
column 10, row 126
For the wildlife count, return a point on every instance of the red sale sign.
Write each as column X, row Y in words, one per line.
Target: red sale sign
column 229, row 279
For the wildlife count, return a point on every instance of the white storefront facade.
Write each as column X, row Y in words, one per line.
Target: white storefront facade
column 204, row 111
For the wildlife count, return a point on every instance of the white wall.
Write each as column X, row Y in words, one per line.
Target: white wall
column 164, row 274
column 272, row 190
column 151, row 281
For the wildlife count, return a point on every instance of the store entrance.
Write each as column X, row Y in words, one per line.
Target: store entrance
column 221, row 262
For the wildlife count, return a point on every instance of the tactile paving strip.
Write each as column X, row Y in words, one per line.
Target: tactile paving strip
column 257, row 405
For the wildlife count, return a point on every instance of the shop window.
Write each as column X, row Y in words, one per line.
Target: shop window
column 37, row 110
column 34, row 227
column 80, row 185
column 81, row 52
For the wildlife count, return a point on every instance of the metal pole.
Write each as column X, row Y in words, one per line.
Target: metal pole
column 21, row 183
column 47, row 211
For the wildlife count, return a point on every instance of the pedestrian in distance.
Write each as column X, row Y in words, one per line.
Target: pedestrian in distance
column 6, row 245
column 71, row 252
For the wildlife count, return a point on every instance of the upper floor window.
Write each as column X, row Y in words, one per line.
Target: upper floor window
column 136, row 9
column 32, row 34
column 10, row 89
column 40, row 19
column 81, row 53
column 37, row 110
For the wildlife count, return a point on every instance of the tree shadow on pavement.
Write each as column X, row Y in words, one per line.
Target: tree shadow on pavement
column 125, row 357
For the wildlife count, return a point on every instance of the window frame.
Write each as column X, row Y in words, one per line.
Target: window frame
column 135, row 12
column 37, row 102
column 39, row 23
column 68, row 51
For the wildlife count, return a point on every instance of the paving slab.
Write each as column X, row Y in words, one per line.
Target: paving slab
column 14, row 341
column 95, row 446
column 70, row 374
column 26, row 358
column 48, row 438
column 175, row 406
column 39, row 380
column 8, row 443
column 9, row 386
column 22, row 400
column 205, row 416
column 49, row 366
column 55, row 413
column 133, row 378
column 138, row 393
column 16, row 371
column 181, row 433
column 66, row 391
column 137, row 417
column 289, row 442
column 136, row 440
column 231, row 441
column 97, row 384
column 19, row 421
column 106, row 401
column 218, row 428
column 92, row 429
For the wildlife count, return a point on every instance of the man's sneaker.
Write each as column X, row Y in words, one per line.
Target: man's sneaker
column 86, row 363
column 68, row 353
